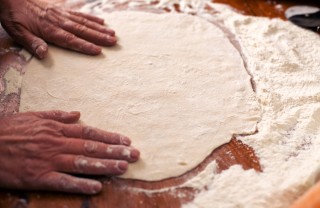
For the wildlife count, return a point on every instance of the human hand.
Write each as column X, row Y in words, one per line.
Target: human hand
column 32, row 22
column 40, row 151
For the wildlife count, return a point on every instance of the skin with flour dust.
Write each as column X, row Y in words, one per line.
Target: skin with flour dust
column 39, row 150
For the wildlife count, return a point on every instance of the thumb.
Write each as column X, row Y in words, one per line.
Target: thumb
column 33, row 44
column 21, row 35
column 61, row 116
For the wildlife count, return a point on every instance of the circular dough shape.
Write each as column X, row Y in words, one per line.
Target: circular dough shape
column 174, row 84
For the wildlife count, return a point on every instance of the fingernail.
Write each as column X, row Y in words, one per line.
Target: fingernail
column 93, row 50
column 124, row 140
column 134, row 154
column 41, row 51
column 74, row 113
column 123, row 166
column 111, row 39
column 111, row 32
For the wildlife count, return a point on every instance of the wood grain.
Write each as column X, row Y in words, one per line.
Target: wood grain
column 125, row 193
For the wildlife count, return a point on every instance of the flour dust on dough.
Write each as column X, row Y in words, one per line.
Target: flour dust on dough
column 174, row 84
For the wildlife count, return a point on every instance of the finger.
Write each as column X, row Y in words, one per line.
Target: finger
column 88, row 34
column 86, row 20
column 79, row 164
column 68, row 40
column 61, row 116
column 61, row 182
column 87, row 16
column 87, row 132
column 95, row 149
column 32, row 43
column 91, row 24
column 35, row 45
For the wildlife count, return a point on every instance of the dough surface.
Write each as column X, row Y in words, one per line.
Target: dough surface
column 174, row 84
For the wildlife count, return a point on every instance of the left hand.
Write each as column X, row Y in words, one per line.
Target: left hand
column 32, row 23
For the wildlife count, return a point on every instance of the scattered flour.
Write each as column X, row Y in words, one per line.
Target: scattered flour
column 186, row 6
column 279, row 7
column 284, row 63
column 200, row 182
column 12, row 81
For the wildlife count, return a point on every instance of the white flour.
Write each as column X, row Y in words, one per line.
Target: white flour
column 284, row 62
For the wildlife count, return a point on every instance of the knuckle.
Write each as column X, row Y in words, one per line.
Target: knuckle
column 53, row 9
column 41, row 131
column 109, row 149
column 42, row 145
column 68, row 37
column 48, row 123
column 45, row 128
column 46, row 33
column 126, row 153
column 67, row 24
column 83, row 20
column 81, row 28
column 32, row 173
column 50, row 9
column 88, row 132
column 80, row 163
column 90, row 147
column 48, row 15
column 99, row 165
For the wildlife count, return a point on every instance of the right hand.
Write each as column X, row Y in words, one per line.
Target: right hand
column 41, row 151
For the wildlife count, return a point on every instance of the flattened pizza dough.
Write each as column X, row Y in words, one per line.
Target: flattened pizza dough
column 174, row 84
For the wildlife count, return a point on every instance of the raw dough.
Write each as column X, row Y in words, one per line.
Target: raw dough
column 174, row 84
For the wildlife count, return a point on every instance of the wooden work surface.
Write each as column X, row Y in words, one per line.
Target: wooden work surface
column 118, row 192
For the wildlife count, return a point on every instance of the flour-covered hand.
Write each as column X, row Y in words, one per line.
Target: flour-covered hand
column 32, row 23
column 40, row 151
